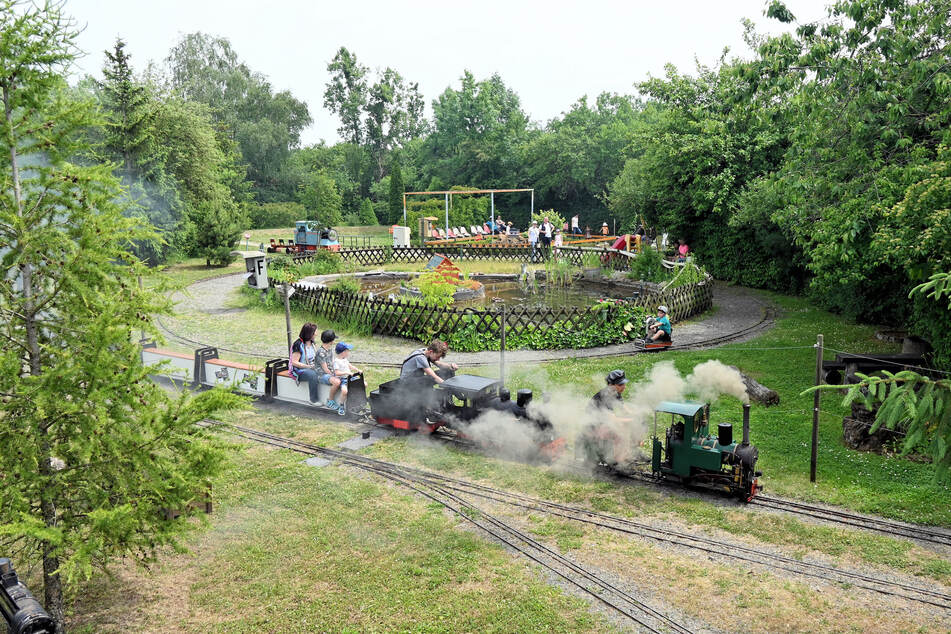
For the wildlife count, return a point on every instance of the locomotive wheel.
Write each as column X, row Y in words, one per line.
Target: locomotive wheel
column 332, row 235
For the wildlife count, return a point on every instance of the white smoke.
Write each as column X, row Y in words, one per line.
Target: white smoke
column 626, row 427
column 711, row 378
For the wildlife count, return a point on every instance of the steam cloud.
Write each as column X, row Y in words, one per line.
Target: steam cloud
column 570, row 414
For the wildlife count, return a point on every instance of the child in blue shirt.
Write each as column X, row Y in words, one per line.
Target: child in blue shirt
column 660, row 329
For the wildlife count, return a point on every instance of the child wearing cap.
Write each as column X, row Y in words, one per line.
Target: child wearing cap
column 660, row 329
column 343, row 370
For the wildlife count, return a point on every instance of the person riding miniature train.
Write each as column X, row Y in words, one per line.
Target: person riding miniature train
column 418, row 366
column 343, row 371
column 660, row 329
column 325, row 368
column 303, row 360
column 599, row 442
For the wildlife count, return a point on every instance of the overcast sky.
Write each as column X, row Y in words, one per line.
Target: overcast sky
column 550, row 53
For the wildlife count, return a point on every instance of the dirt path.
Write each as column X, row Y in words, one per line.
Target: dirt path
column 204, row 317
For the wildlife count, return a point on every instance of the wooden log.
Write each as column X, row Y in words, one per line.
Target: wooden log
column 758, row 392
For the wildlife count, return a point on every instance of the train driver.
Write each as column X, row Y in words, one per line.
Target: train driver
column 660, row 330
column 419, row 364
column 608, row 397
column 600, row 442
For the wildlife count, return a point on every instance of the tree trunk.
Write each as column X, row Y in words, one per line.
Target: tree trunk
column 758, row 393
column 52, row 584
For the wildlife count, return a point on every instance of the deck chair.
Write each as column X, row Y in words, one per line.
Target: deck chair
column 473, row 230
column 485, row 229
column 434, row 234
column 442, row 233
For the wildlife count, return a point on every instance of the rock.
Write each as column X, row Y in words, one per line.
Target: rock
column 855, row 434
column 758, row 392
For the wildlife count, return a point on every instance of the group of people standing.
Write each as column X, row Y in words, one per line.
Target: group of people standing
column 327, row 364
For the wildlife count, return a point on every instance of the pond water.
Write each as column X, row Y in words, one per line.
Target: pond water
column 578, row 295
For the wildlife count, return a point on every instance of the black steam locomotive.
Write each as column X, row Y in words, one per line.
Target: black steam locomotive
column 455, row 404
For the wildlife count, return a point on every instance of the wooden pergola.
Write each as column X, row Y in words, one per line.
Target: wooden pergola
column 448, row 194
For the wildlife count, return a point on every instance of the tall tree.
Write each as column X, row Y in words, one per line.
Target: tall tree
column 477, row 131
column 127, row 129
column 346, row 94
column 91, row 448
column 871, row 91
column 396, row 193
column 129, row 139
column 203, row 171
column 572, row 162
column 266, row 125
column 319, row 194
column 394, row 116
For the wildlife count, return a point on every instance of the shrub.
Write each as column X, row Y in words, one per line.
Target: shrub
column 435, row 288
column 346, row 285
column 689, row 274
column 616, row 321
column 554, row 217
column 367, row 217
column 648, row 266
column 276, row 215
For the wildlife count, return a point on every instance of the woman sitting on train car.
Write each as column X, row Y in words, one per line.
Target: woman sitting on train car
column 303, row 360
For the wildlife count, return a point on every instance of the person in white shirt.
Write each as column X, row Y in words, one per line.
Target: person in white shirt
column 533, row 237
column 558, row 240
column 343, row 370
column 547, row 229
column 575, row 228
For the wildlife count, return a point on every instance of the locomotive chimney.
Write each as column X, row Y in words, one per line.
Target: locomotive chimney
column 746, row 424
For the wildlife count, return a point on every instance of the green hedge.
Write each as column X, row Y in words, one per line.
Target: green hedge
column 616, row 322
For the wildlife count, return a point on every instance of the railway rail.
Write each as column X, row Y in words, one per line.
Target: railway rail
column 766, row 320
column 878, row 525
column 649, row 618
column 456, row 488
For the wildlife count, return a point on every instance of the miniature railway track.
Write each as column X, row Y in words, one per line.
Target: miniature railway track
column 878, row 525
column 765, row 321
column 454, row 488
column 611, row 595
column 833, row 516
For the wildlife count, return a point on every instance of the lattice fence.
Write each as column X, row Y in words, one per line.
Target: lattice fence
column 406, row 317
column 376, row 256
column 411, row 318
column 682, row 302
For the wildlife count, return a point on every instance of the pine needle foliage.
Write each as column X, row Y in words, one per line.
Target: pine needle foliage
column 91, row 450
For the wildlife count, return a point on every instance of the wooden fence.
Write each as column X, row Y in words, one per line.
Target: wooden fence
column 411, row 318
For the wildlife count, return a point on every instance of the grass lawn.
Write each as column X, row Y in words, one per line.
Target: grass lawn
column 296, row 548
column 886, row 485
column 782, row 359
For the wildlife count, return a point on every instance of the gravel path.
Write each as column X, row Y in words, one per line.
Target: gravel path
column 736, row 309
